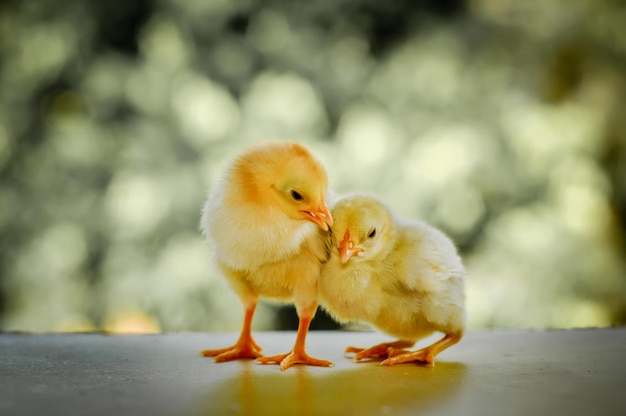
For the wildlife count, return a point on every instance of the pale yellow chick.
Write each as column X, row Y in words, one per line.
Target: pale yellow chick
column 268, row 223
column 402, row 276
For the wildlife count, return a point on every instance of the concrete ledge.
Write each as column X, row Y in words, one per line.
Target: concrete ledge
column 504, row 372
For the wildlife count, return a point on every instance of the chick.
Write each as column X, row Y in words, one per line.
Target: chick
column 268, row 223
column 402, row 276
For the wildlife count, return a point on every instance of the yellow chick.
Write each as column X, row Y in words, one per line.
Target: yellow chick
column 268, row 223
column 402, row 276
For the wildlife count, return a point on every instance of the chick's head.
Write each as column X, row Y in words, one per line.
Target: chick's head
column 285, row 176
column 363, row 227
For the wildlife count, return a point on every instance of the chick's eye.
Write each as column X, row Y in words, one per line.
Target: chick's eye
column 372, row 233
column 295, row 195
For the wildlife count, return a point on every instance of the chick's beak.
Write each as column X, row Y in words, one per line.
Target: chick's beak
column 347, row 248
column 320, row 217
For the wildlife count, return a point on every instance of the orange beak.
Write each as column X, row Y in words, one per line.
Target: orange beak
column 347, row 248
column 320, row 217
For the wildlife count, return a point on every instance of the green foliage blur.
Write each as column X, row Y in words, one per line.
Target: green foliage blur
column 500, row 122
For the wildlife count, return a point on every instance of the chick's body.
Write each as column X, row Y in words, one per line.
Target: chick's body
column 267, row 221
column 272, row 261
column 402, row 276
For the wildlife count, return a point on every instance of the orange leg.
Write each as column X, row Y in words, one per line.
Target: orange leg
column 245, row 346
column 381, row 350
column 425, row 355
column 298, row 355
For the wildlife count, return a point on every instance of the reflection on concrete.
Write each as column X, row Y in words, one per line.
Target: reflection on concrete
column 365, row 388
column 504, row 372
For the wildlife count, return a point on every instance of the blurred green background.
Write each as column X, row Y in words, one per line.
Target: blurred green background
column 501, row 122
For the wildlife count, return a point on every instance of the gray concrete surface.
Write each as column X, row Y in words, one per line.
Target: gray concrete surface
column 505, row 372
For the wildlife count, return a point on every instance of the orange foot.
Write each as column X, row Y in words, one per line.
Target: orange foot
column 386, row 349
column 424, row 356
column 291, row 358
column 245, row 349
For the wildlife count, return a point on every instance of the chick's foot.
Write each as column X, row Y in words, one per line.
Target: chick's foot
column 386, row 349
column 423, row 356
column 247, row 349
column 426, row 355
column 291, row 358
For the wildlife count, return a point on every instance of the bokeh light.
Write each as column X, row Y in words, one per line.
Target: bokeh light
column 499, row 122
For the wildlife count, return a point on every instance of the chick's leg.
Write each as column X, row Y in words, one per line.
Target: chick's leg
column 245, row 346
column 381, row 350
column 298, row 355
column 425, row 355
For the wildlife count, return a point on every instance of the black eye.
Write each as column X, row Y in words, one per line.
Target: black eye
column 297, row 196
column 372, row 233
